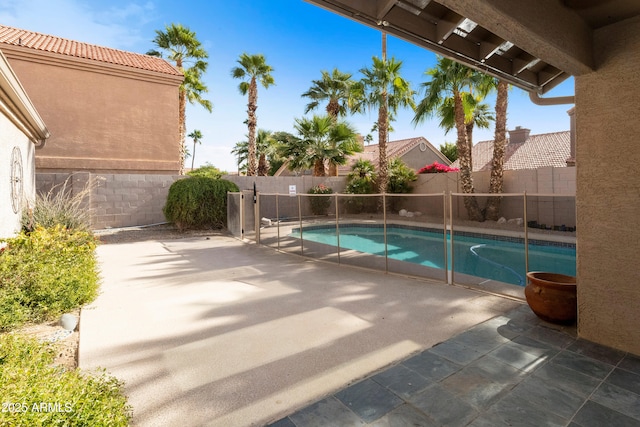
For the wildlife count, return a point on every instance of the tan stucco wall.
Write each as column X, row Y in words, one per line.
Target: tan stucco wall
column 102, row 117
column 608, row 190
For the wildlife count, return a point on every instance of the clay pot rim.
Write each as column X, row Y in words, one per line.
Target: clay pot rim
column 553, row 279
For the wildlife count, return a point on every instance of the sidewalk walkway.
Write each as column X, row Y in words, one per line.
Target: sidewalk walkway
column 215, row 332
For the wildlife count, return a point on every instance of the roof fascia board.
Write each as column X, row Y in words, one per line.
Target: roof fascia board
column 17, row 106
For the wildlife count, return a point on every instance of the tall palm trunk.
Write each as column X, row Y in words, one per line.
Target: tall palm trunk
column 193, row 156
column 492, row 210
column 383, row 167
column 333, row 109
column 318, row 168
column 252, row 122
column 263, row 169
column 470, row 203
column 469, row 127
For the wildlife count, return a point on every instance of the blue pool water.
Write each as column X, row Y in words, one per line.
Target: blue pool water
column 491, row 257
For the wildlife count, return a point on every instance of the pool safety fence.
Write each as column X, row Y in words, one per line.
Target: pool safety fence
column 423, row 235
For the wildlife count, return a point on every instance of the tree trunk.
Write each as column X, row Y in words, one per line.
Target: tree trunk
column 383, row 165
column 263, row 168
column 469, row 127
column 193, row 156
column 318, row 168
column 464, row 156
column 333, row 108
column 252, row 122
column 182, row 124
column 492, row 210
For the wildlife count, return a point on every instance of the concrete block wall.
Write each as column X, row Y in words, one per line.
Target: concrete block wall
column 547, row 210
column 116, row 200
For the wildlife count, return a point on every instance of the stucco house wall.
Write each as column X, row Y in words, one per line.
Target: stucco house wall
column 105, row 115
column 21, row 128
column 608, row 189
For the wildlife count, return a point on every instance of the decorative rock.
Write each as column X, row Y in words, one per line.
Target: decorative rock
column 403, row 212
column 68, row 322
column 265, row 221
column 502, row 220
column 517, row 221
column 409, row 214
column 417, row 213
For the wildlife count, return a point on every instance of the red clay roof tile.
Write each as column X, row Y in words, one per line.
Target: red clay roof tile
column 53, row 44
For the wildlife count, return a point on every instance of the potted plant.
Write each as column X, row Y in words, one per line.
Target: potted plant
column 552, row 296
column 320, row 205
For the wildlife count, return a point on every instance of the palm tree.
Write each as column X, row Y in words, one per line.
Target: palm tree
column 492, row 209
column 384, row 89
column 183, row 48
column 335, row 88
column 267, row 148
column 196, row 135
column 322, row 140
column 251, row 69
column 449, row 79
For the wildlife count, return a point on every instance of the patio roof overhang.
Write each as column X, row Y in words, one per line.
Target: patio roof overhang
column 534, row 45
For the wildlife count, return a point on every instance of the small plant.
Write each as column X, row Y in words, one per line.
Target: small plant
column 45, row 273
column 400, row 177
column 361, row 180
column 35, row 393
column 436, row 167
column 60, row 206
column 198, row 202
column 320, row 205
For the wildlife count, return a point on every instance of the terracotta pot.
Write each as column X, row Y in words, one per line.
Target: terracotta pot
column 552, row 296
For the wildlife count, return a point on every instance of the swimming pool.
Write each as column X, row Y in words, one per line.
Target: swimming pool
column 492, row 257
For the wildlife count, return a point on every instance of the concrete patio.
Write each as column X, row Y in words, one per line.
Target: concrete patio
column 216, row 332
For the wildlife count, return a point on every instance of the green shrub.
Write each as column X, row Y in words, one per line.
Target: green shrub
column 207, row 170
column 35, row 393
column 45, row 273
column 198, row 202
column 320, row 205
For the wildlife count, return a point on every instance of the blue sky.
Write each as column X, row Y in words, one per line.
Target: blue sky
column 298, row 40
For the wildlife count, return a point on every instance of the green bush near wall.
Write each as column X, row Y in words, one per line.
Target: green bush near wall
column 198, row 202
column 45, row 273
column 36, row 393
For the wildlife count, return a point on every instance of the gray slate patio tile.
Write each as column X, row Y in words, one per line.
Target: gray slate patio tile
column 475, row 388
column 630, row 363
column 513, row 355
column 431, row 366
column 404, row 416
column 285, row 422
column 567, row 379
column 481, row 339
column 456, row 352
column 369, row 400
column 402, row 381
column 618, row 399
column 583, row 364
column 547, row 397
column 517, row 411
column 597, row 351
column 325, row 413
column 497, row 370
column 593, row 414
column 552, row 337
column 625, row 379
column 444, row 407
column 535, row 347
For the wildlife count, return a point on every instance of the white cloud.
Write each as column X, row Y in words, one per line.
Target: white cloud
column 116, row 26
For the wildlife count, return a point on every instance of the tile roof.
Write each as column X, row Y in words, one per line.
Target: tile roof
column 394, row 149
column 548, row 149
column 42, row 42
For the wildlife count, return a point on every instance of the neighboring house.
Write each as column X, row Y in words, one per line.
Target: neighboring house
column 414, row 152
column 525, row 151
column 22, row 130
column 109, row 111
